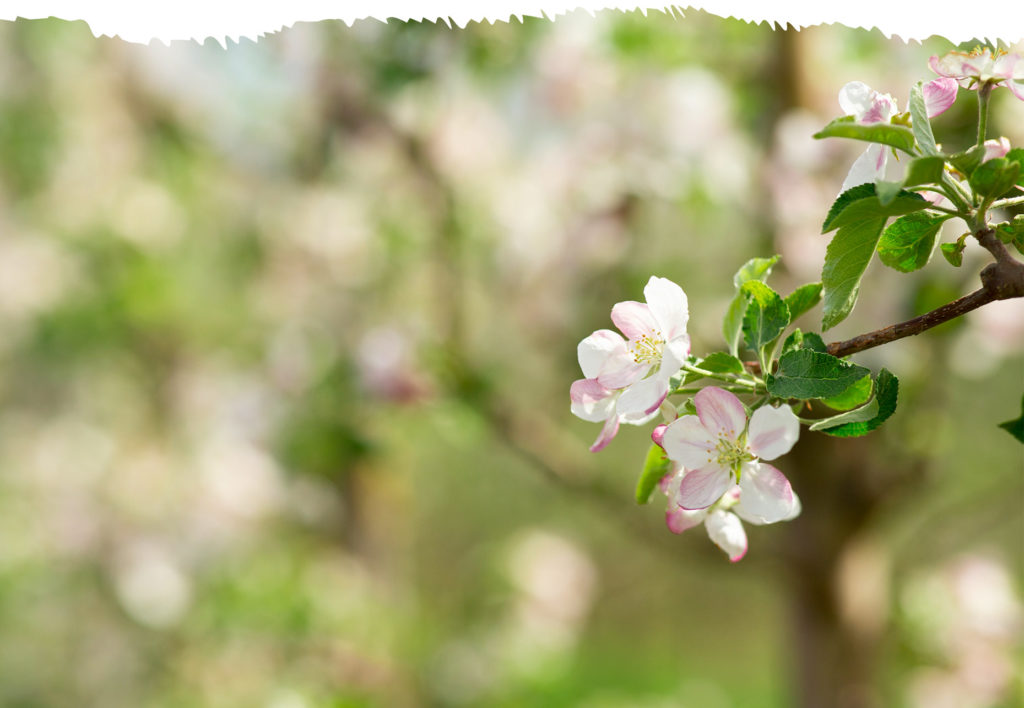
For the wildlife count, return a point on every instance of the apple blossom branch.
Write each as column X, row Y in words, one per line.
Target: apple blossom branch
column 1001, row 280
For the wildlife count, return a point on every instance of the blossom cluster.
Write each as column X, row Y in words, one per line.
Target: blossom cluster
column 717, row 477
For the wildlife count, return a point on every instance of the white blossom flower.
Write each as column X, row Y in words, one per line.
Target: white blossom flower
column 982, row 66
column 869, row 106
column 627, row 379
column 718, row 449
column 721, row 519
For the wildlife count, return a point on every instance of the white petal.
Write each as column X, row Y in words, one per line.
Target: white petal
column 702, row 488
column 727, row 532
column 688, row 442
column 591, row 401
column 773, row 431
column 641, row 401
column 674, row 355
column 668, row 305
column 634, row 319
column 797, row 508
column 721, row 412
column 855, row 98
column 593, row 351
column 869, row 167
column 621, row 369
column 678, row 519
column 765, row 494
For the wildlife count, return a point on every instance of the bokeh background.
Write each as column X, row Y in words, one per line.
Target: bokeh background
column 287, row 335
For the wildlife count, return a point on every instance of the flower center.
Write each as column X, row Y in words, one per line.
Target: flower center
column 732, row 454
column 647, row 349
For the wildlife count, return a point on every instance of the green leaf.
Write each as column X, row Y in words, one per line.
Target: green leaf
column 922, row 127
column 897, row 136
column 794, row 341
column 766, row 317
column 924, row 170
column 887, row 191
column 857, row 394
column 954, row 252
column 687, row 407
column 864, row 413
column 907, row 243
column 1008, row 231
column 1015, row 427
column 854, row 194
column 968, row 160
column 808, row 374
column 886, row 395
column 814, row 342
column 721, row 363
column 848, row 254
column 995, row 177
column 870, row 207
column 804, row 340
column 1017, row 155
column 1012, row 232
column 732, row 324
column 656, row 466
column 802, row 299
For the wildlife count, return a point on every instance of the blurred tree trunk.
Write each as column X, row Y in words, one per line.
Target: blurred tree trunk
column 835, row 649
column 833, row 658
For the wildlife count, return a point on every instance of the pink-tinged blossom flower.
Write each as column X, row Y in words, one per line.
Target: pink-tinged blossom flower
column 995, row 148
column 719, row 448
column 721, row 519
column 869, row 106
column 628, row 378
column 982, row 66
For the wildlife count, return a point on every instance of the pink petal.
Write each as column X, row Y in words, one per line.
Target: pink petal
column 678, row 519
column 641, row 401
column 621, row 369
column 939, row 95
column 668, row 304
column 766, row 495
column 702, row 488
column 939, row 67
column 634, row 319
column 721, row 412
column 665, row 483
column 591, row 401
column 688, row 442
column 773, row 431
column 611, row 427
column 1016, row 87
column 594, row 351
column 658, row 433
column 727, row 533
column 995, row 148
column 882, row 107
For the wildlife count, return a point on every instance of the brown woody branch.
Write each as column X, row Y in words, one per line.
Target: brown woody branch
column 1001, row 280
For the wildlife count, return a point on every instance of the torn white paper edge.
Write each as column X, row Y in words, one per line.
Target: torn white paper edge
column 189, row 19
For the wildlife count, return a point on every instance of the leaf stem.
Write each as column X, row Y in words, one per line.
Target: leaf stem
column 984, row 92
column 730, row 378
column 697, row 389
column 1003, row 203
